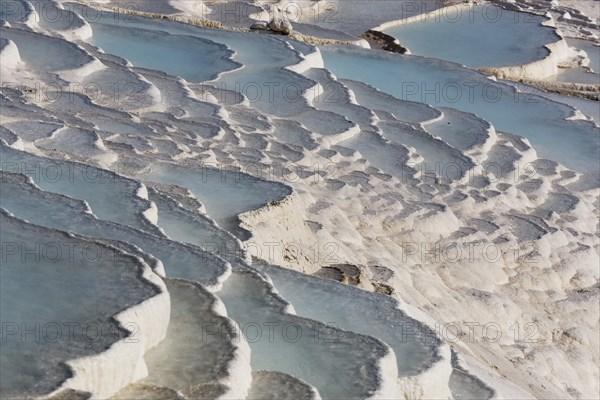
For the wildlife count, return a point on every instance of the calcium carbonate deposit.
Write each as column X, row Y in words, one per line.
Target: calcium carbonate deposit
column 193, row 209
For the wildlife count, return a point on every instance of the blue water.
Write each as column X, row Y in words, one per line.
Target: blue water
column 593, row 51
column 225, row 193
column 576, row 144
column 573, row 143
column 198, row 54
column 191, row 58
column 480, row 36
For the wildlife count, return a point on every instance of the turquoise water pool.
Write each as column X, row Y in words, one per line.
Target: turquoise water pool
column 573, row 143
column 480, row 36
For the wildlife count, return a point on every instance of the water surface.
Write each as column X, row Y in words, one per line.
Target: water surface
column 480, row 36
column 575, row 144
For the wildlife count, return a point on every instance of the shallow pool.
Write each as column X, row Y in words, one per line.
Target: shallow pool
column 480, row 36
column 575, row 144
column 591, row 48
column 225, row 193
column 191, row 58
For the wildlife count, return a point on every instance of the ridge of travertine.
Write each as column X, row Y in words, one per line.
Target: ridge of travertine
column 344, row 196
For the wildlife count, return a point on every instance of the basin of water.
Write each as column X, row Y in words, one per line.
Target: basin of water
column 225, row 193
column 368, row 313
column 67, row 214
column 110, row 196
column 191, row 58
column 575, row 144
column 480, row 36
column 58, row 303
column 164, row 45
column 592, row 50
column 341, row 365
